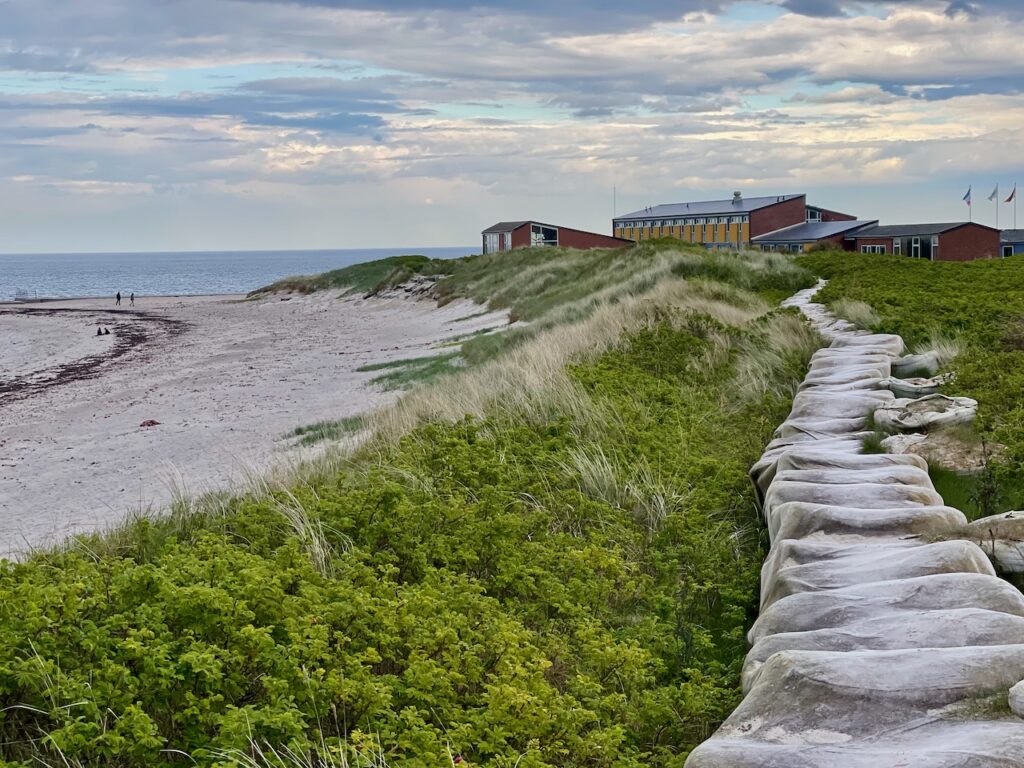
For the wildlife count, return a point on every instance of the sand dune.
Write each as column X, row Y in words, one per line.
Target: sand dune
column 226, row 379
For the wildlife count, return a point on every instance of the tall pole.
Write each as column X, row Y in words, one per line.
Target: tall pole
column 997, row 206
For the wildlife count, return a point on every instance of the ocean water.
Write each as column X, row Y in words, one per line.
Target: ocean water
column 66, row 275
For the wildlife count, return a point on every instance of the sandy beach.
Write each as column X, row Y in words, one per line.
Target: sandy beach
column 226, row 379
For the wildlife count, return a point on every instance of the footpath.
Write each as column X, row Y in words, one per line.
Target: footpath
column 885, row 637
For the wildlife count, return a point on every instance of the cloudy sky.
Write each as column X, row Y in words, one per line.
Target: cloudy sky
column 204, row 124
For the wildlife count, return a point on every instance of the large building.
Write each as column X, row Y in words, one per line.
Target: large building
column 506, row 235
column 722, row 223
column 957, row 241
column 1012, row 242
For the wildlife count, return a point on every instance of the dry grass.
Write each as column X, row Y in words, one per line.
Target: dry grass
column 857, row 312
column 947, row 347
column 760, row 366
column 530, row 381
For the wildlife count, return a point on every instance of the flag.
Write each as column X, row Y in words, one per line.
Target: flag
column 994, row 195
column 1013, row 195
column 967, row 197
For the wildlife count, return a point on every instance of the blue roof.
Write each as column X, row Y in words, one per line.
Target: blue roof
column 1012, row 236
column 812, row 231
column 708, row 207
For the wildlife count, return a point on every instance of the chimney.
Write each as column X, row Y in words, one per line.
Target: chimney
column 737, row 197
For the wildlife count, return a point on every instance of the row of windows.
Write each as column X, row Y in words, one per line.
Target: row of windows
column 696, row 222
column 794, row 247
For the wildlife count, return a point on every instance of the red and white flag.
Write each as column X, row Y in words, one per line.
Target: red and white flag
column 1013, row 195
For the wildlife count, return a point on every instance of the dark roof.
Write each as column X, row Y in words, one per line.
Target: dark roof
column 504, row 226
column 811, row 232
column 1013, row 236
column 910, row 230
column 708, row 207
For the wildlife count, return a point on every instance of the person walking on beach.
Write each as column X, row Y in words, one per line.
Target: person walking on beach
column 117, row 303
column 131, row 300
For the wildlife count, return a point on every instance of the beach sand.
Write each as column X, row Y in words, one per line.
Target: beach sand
column 227, row 380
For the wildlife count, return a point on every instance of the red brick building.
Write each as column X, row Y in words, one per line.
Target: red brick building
column 506, row 235
column 957, row 241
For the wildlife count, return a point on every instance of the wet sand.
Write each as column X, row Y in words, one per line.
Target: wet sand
column 226, row 380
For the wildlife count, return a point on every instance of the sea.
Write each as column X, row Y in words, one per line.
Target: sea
column 81, row 275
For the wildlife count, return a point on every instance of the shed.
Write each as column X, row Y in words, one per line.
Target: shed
column 506, row 235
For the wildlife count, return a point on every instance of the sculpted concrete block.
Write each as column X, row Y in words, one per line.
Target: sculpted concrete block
column 1017, row 699
column 960, row 627
column 927, row 363
column 796, row 566
column 918, row 387
column 1002, row 538
column 800, row 520
column 925, row 413
column 809, row 611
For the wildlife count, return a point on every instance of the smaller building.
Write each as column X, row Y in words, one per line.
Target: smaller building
column 957, row 241
column 1012, row 242
column 506, row 235
column 802, row 237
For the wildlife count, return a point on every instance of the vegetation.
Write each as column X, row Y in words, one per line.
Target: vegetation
column 369, row 278
column 973, row 314
column 331, row 430
column 549, row 558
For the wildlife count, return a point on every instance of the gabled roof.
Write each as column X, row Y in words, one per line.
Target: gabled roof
column 504, row 226
column 708, row 207
column 911, row 230
column 811, row 232
column 1012, row 236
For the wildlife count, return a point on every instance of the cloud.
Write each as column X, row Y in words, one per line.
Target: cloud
column 529, row 103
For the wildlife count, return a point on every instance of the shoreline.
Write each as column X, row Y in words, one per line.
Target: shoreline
column 224, row 380
column 58, row 299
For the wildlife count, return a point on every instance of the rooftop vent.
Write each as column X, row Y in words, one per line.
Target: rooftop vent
column 737, row 197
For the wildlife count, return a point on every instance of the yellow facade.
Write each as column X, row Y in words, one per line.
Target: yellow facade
column 710, row 232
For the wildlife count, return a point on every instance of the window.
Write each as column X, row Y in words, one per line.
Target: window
column 935, row 247
column 872, row 249
column 897, row 246
column 813, row 214
column 1007, row 251
column 915, row 247
column 796, row 247
column 541, row 235
column 491, row 242
column 767, row 247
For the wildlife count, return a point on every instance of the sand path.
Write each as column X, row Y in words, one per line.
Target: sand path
column 226, row 379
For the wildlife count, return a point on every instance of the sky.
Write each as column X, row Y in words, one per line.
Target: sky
column 154, row 125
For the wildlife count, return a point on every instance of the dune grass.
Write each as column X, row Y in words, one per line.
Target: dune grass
column 330, row 430
column 366, row 279
column 548, row 558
